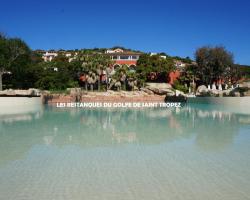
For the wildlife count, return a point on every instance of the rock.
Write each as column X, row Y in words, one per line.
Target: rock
column 29, row 92
column 9, row 92
column 226, row 93
column 245, row 85
column 240, row 91
column 214, row 92
column 179, row 93
column 162, row 91
column 202, row 89
column 165, row 91
column 235, row 92
column 34, row 92
column 170, row 94
column 244, row 89
column 160, row 88
column 110, row 92
column 247, row 93
column 146, row 90
column 22, row 92
column 159, row 85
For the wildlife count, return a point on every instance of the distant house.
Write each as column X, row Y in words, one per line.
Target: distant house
column 49, row 56
column 114, row 50
column 162, row 56
column 122, row 57
column 180, row 67
column 173, row 76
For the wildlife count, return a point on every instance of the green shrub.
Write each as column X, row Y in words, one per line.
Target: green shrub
column 179, row 86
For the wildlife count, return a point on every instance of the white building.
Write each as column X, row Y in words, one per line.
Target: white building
column 154, row 54
column 179, row 64
column 114, row 50
column 49, row 56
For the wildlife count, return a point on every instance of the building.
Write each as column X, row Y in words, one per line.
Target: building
column 180, row 68
column 49, row 56
column 122, row 57
column 154, row 54
column 130, row 58
column 179, row 65
column 173, row 75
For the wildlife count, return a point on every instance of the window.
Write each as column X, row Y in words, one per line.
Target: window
column 134, row 57
column 124, row 57
column 114, row 58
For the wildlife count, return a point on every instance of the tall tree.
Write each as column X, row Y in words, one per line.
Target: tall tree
column 148, row 65
column 212, row 62
column 14, row 57
column 94, row 65
column 3, row 58
column 57, row 74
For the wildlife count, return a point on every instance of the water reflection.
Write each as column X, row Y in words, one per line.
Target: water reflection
column 208, row 128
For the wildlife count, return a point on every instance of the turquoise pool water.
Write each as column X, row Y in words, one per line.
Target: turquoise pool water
column 195, row 152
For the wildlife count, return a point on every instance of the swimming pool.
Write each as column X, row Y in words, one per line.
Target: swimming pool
column 193, row 152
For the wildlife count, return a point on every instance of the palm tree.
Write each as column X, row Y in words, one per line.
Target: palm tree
column 91, row 80
column 132, row 80
column 190, row 76
column 95, row 64
column 121, row 75
column 108, row 72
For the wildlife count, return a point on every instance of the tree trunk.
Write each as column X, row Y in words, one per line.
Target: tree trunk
column 124, row 86
column 107, row 82
column 193, row 84
column 1, row 81
column 111, row 84
column 86, row 86
column 99, row 83
column 92, row 87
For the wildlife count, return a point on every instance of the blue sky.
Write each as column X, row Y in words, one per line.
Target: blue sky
column 175, row 27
